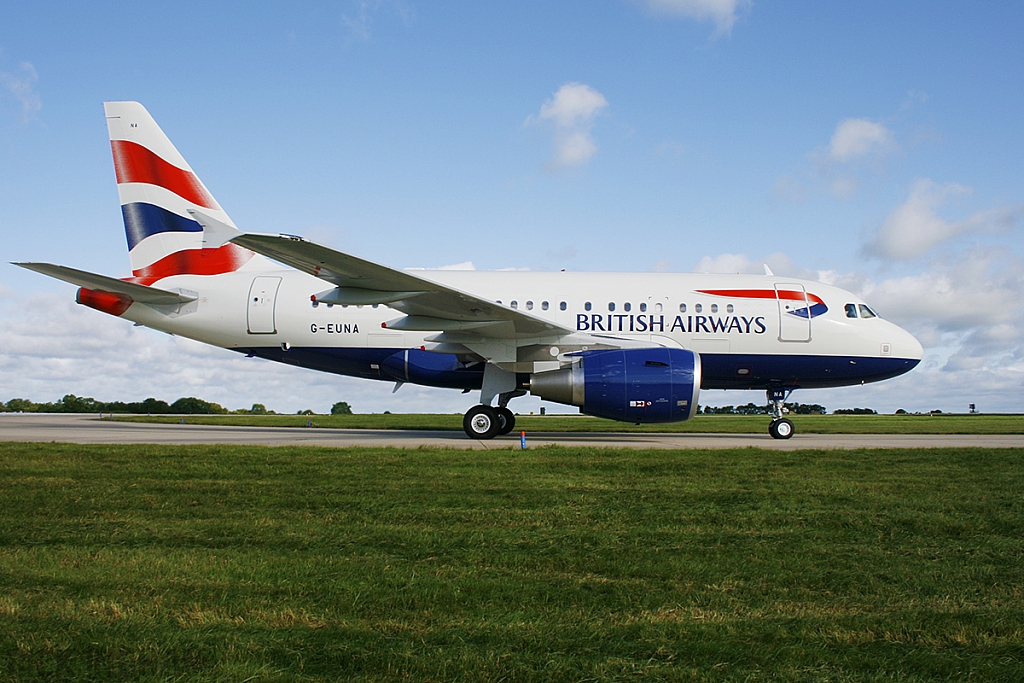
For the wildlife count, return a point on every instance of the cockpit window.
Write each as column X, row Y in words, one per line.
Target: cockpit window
column 866, row 312
column 851, row 310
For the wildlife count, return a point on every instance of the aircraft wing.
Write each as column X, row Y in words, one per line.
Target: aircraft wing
column 102, row 283
column 428, row 305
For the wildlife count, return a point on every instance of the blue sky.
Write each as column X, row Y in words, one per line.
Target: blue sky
column 877, row 146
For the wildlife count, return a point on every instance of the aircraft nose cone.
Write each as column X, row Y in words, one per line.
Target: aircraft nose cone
column 907, row 346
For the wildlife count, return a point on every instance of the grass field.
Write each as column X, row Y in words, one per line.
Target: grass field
column 705, row 424
column 152, row 563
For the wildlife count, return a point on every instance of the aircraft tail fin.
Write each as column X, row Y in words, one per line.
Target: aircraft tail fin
column 160, row 195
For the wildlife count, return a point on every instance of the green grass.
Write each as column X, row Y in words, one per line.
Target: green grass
column 705, row 424
column 160, row 563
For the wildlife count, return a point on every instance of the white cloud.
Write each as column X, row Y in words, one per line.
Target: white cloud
column 465, row 265
column 360, row 21
column 855, row 138
column 722, row 12
column 572, row 110
column 779, row 263
column 915, row 227
column 22, row 86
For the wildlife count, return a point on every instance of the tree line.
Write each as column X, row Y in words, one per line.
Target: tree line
column 794, row 408
column 188, row 405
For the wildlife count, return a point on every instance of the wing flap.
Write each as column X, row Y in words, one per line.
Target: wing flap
column 411, row 294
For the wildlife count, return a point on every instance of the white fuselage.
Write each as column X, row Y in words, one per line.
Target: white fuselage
column 746, row 341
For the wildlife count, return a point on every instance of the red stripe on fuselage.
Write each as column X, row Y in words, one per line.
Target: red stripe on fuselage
column 133, row 163
column 787, row 294
column 226, row 259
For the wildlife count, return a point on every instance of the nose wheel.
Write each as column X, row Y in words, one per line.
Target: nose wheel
column 780, row 427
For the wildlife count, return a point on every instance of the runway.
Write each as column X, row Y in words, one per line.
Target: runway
column 67, row 428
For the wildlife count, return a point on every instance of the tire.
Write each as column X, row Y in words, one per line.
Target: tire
column 506, row 421
column 781, row 429
column 481, row 422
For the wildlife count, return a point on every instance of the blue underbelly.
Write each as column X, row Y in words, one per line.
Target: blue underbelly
column 719, row 371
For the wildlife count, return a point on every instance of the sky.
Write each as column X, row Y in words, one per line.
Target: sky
column 876, row 146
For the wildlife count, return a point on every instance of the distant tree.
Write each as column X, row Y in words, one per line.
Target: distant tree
column 151, row 405
column 192, row 406
column 341, row 408
column 307, row 411
column 806, row 408
column 258, row 409
column 20, row 405
column 73, row 404
column 855, row 411
column 900, row 411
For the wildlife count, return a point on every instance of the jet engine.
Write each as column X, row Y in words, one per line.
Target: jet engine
column 631, row 385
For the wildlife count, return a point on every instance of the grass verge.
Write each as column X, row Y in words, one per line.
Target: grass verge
column 704, row 424
column 160, row 563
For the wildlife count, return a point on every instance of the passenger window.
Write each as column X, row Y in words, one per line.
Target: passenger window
column 498, row 301
column 514, row 304
column 851, row 310
column 682, row 308
column 729, row 309
column 698, row 308
column 714, row 308
column 866, row 312
column 657, row 308
column 627, row 307
column 562, row 306
column 611, row 306
column 643, row 308
column 529, row 305
column 587, row 306
column 543, row 305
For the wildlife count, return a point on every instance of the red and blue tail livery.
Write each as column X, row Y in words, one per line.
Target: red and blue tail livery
column 157, row 189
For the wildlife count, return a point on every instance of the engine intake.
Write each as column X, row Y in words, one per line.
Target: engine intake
column 631, row 385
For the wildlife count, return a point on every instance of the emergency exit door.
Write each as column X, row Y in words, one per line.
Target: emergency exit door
column 262, row 295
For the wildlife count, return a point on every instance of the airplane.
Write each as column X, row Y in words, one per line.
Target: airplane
column 635, row 347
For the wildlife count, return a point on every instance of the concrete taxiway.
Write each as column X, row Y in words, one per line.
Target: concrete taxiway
column 66, row 428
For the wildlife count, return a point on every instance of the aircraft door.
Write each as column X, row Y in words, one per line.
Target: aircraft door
column 260, row 313
column 794, row 312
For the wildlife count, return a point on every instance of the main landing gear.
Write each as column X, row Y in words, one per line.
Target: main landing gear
column 780, row 427
column 485, row 422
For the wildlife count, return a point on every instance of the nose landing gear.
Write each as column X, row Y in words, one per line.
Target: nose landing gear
column 780, row 427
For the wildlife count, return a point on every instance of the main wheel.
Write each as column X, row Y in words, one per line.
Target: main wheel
column 781, row 429
column 481, row 422
column 506, row 420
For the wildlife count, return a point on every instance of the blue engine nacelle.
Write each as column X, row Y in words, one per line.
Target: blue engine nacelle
column 632, row 385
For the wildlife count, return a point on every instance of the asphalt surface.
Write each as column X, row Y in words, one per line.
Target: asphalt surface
column 66, row 428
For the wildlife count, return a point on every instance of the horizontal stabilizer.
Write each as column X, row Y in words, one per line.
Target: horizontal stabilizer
column 215, row 233
column 102, row 283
